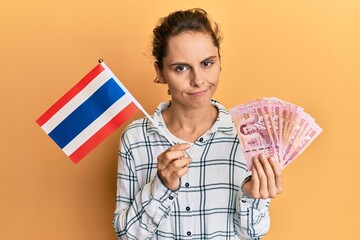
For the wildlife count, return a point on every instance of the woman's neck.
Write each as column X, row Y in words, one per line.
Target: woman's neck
column 189, row 124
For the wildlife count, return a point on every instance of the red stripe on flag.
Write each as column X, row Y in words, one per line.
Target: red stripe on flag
column 69, row 95
column 104, row 132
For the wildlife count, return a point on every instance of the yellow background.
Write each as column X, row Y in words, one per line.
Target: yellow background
column 306, row 52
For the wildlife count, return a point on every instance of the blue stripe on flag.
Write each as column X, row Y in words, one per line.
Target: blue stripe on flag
column 86, row 113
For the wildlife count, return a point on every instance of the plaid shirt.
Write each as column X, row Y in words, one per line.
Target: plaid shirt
column 209, row 203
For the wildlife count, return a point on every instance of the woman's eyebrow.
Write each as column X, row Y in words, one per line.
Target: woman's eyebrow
column 184, row 63
column 178, row 63
column 209, row 58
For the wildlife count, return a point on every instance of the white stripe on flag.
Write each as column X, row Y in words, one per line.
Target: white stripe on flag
column 76, row 101
column 126, row 91
column 96, row 125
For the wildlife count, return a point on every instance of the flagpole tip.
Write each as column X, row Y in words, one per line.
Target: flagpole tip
column 100, row 60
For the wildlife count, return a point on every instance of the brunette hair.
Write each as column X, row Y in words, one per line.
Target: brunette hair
column 195, row 19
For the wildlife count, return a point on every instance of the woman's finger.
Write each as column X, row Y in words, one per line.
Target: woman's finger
column 174, row 152
column 278, row 174
column 180, row 163
column 173, row 164
column 255, row 182
column 179, row 147
column 262, row 177
column 270, row 176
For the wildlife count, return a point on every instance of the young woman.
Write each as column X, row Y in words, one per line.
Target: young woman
column 200, row 187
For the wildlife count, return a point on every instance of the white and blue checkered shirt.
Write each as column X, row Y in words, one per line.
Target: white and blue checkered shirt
column 209, row 203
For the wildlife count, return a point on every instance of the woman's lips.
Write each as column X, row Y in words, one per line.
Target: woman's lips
column 198, row 93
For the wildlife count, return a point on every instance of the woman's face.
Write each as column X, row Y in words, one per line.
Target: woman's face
column 191, row 69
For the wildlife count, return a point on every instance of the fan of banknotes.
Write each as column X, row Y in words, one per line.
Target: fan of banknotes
column 273, row 127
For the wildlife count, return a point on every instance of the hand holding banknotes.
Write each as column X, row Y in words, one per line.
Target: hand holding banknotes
column 272, row 133
column 266, row 180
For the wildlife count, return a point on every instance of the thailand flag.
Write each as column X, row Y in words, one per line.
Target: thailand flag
column 88, row 113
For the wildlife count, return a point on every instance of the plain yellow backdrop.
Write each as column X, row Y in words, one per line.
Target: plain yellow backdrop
column 306, row 52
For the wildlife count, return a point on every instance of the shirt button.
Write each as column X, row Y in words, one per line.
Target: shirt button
column 187, row 208
column 171, row 197
column 187, row 184
column 201, row 139
column 188, row 233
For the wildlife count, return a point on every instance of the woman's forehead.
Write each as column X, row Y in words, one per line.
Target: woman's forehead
column 191, row 46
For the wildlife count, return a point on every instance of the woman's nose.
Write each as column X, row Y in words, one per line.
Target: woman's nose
column 197, row 78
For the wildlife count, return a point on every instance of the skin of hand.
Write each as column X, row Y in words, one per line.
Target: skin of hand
column 172, row 165
column 266, row 180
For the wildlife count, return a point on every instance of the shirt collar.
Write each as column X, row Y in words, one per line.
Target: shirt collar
column 223, row 122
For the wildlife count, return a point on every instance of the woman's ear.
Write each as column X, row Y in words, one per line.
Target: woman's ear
column 159, row 77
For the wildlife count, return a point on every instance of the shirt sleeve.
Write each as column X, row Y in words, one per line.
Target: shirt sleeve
column 252, row 220
column 139, row 211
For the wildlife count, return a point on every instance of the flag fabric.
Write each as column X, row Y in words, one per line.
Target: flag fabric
column 89, row 112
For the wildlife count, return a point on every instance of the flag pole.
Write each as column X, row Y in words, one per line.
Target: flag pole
column 161, row 131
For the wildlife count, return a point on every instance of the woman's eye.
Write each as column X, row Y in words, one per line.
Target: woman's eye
column 180, row 68
column 207, row 64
